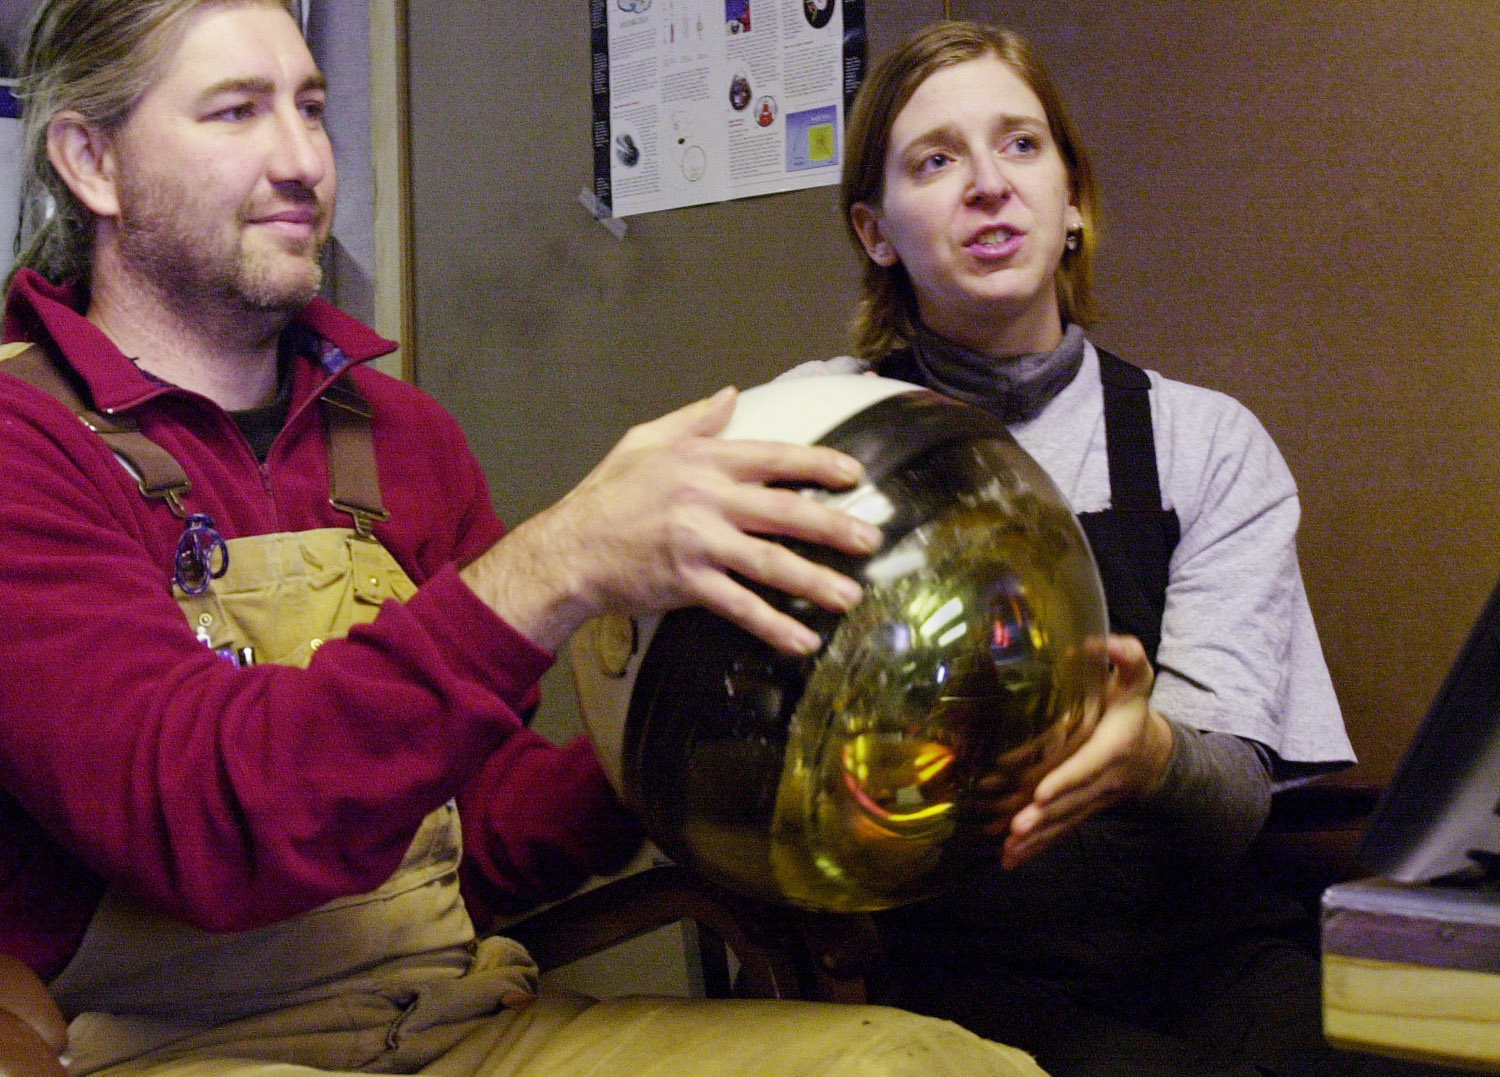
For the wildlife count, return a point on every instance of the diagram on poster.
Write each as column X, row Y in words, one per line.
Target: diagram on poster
column 707, row 100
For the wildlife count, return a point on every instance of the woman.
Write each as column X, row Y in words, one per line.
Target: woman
column 1121, row 931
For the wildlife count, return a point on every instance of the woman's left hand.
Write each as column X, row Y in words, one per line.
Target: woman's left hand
column 1124, row 757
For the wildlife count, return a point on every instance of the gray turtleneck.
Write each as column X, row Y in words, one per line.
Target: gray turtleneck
column 1013, row 391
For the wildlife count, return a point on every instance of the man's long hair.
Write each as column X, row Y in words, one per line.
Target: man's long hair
column 96, row 58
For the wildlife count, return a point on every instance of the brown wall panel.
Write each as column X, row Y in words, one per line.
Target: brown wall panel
column 1300, row 213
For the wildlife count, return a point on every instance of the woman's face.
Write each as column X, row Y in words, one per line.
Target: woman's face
column 977, row 208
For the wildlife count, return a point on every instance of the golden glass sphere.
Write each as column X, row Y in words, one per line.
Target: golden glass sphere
column 864, row 776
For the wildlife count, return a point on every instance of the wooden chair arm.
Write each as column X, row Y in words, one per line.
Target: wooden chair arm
column 782, row 953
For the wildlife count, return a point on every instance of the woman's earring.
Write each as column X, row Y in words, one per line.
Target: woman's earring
column 1075, row 238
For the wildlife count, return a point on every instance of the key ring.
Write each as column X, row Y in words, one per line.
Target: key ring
column 202, row 555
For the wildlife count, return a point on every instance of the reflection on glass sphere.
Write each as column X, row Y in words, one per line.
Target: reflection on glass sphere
column 863, row 777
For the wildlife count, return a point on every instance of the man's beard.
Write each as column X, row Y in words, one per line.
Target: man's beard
column 183, row 258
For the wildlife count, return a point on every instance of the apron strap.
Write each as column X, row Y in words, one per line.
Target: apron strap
column 354, row 481
column 157, row 473
column 1133, row 539
column 1133, row 482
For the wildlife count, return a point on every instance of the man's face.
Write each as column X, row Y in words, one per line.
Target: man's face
column 224, row 174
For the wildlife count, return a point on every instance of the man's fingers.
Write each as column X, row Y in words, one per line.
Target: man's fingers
column 771, row 565
column 788, row 464
column 675, row 516
column 743, row 607
column 701, row 418
column 750, row 461
column 788, row 514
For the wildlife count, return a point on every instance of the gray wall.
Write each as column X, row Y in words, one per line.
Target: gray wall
column 12, row 18
column 1299, row 203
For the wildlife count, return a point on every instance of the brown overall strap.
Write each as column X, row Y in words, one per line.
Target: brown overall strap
column 157, row 474
column 354, row 482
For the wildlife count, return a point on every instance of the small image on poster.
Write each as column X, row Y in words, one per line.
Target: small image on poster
column 817, row 12
column 687, row 113
column 737, row 16
column 812, row 139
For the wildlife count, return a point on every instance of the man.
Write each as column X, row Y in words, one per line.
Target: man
column 269, row 651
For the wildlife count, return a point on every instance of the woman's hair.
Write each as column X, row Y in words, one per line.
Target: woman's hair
column 887, row 314
column 97, row 58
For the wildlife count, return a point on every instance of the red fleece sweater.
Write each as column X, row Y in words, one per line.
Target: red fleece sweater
column 234, row 798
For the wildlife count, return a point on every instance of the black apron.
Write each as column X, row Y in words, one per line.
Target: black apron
column 1071, row 955
column 1093, row 914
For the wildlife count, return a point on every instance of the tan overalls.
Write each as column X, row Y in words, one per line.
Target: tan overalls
column 394, row 981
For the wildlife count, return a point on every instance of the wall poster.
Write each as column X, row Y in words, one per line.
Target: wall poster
column 708, row 100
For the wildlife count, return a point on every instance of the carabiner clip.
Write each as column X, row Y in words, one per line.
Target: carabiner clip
column 202, row 555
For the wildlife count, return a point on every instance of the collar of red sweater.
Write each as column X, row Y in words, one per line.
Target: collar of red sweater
column 38, row 310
